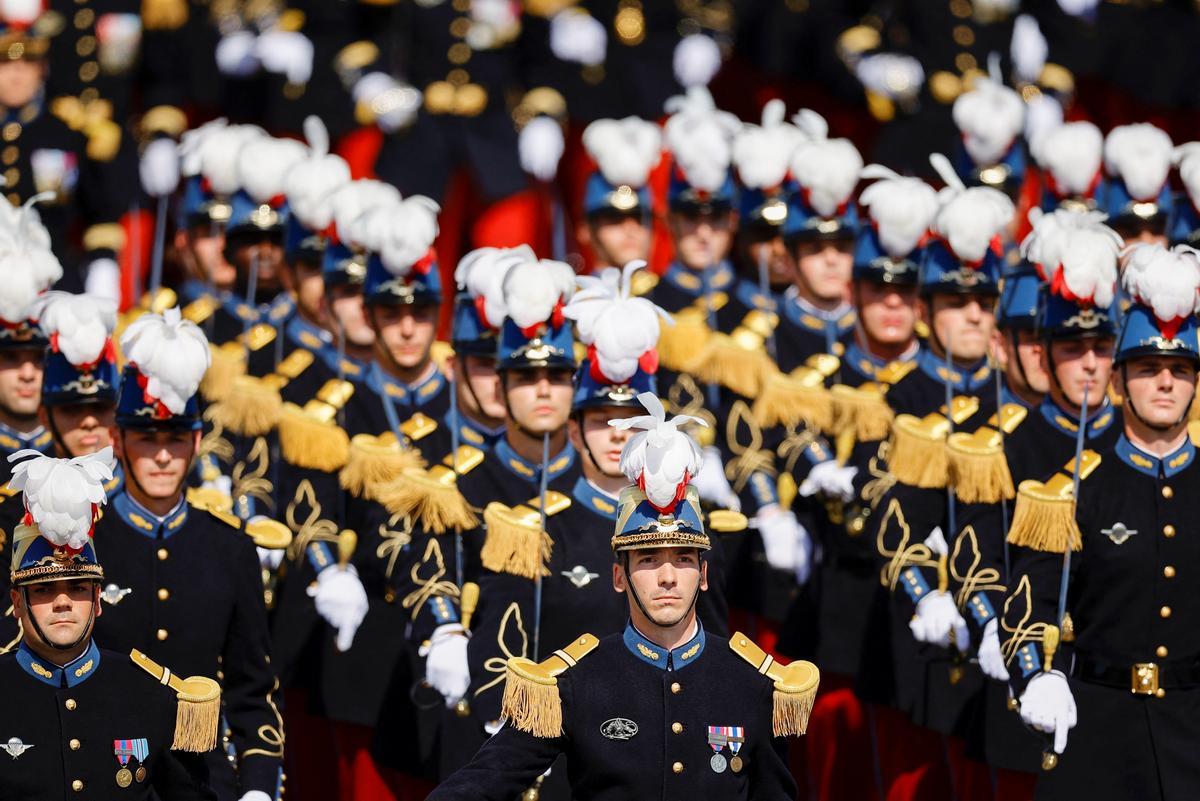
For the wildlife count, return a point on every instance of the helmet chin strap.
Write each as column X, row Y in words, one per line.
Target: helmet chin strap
column 87, row 632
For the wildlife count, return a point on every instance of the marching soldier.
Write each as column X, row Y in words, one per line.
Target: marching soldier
column 617, row 223
column 80, row 717
column 707, row 730
column 1097, row 558
column 1018, row 347
column 1136, row 194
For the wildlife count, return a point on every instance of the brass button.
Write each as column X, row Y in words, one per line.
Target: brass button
column 163, row 593
column 677, row 727
column 85, row 46
column 1160, row 693
column 1165, row 612
column 1161, row 652
column 458, row 77
column 74, row 744
column 9, row 154
column 84, row 17
column 89, row 71
column 1167, row 492
column 11, row 131
column 1168, row 530
column 965, row 61
column 460, row 27
column 162, row 554
column 677, row 767
column 459, row 53
column 963, row 35
column 14, row 198
column 1168, row 572
column 161, row 634
column 461, row 5
column 11, row 176
column 675, row 688
column 70, row 704
column 77, row 785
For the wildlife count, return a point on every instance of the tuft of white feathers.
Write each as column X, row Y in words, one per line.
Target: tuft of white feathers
column 763, row 153
column 60, row 494
column 263, row 165
column 968, row 218
column 659, row 456
column 621, row 327
column 1080, row 248
column 1141, row 155
column 625, row 151
column 901, row 208
column 218, row 155
column 172, row 353
column 700, row 138
column 310, row 183
column 350, row 204
column 82, row 324
column 533, row 288
column 414, row 227
column 28, row 265
column 1072, row 153
column 828, row 169
column 990, row 116
column 191, row 146
column 1165, row 281
column 481, row 274
column 1187, row 156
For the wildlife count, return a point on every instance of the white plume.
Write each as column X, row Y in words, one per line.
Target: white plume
column 700, row 138
column 81, row 323
column 263, row 165
column 1166, row 281
column 219, row 150
column 350, row 201
column 901, row 208
column 763, row 153
column 1187, row 156
column 172, row 353
column 413, row 230
column 660, row 456
column 1072, row 153
column 59, row 494
column 1141, row 155
column 990, row 117
column 827, row 169
column 481, row 274
column 310, row 183
column 968, row 219
column 625, row 151
column 159, row 167
column 533, row 288
column 27, row 264
column 191, row 146
column 1078, row 248
column 622, row 327
column 21, row 12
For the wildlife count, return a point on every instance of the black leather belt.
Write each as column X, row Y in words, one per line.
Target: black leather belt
column 1140, row 678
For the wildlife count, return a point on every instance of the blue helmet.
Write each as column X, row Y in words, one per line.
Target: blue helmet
column 1020, row 295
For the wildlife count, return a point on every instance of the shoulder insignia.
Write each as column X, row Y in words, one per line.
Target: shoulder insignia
column 727, row 521
column 892, row 373
column 1044, row 515
column 795, row 685
column 198, row 705
column 515, row 542
column 430, row 498
column 555, row 502
column 372, row 462
column 464, row 460
column 418, row 427
column 917, row 454
column 531, row 701
column 644, row 281
column 1194, row 432
column 295, row 363
column 200, row 309
column 1009, row 417
column 962, row 408
column 209, row 499
column 269, row 534
column 824, row 363
column 977, row 467
column 259, row 336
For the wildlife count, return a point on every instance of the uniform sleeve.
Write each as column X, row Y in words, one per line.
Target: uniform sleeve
column 506, row 766
column 906, row 516
column 1031, row 606
column 503, row 628
column 976, row 566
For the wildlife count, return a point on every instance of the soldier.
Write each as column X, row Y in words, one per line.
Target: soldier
column 72, row 701
column 1104, row 574
column 665, row 678
column 216, row 626
column 618, row 212
column 1136, row 194
column 1017, row 346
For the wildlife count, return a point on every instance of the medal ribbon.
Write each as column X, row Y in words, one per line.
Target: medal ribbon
column 123, row 750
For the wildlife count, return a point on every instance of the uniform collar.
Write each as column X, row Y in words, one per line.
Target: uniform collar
column 145, row 522
column 474, row 433
column 654, row 654
column 348, row 367
column 276, row 312
column 12, row 440
column 750, row 295
column 306, row 335
column 1153, row 466
column 964, row 381
column 802, row 313
column 193, row 290
column 595, row 499
column 867, row 364
column 412, row 395
column 693, row 282
column 116, row 484
column 72, row 674
column 514, row 463
column 1064, row 422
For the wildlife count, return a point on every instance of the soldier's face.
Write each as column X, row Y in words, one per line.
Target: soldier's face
column 405, row 333
column 82, row 427
column 264, row 254
column 767, row 248
column 665, row 580
column 206, row 251
column 478, row 387
column 823, row 268
column 591, row 433
column 20, row 383
column 962, row 323
column 1079, row 365
column 309, row 287
column 347, row 310
column 539, row 400
column 20, row 82
column 1022, row 362
column 61, row 609
column 619, row 239
column 701, row 240
column 887, row 313
column 157, row 460
column 1160, row 388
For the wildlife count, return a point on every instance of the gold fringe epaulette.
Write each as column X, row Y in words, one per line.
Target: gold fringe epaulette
column 228, row 362
column 685, row 343
column 795, row 686
column 789, row 400
column 531, row 701
column 917, row 453
column 251, row 408
column 373, row 461
column 197, row 709
column 729, row 362
column 515, row 542
column 1044, row 515
column 431, row 497
column 978, row 468
column 861, row 412
column 310, row 437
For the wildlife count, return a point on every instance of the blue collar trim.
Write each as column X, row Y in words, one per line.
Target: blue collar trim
column 474, row 433
column 560, row 462
column 654, row 654
column 276, row 312
column 866, row 364
column 401, row 394
column 964, row 381
column 594, row 499
column 693, row 283
column 12, row 440
column 308, row 336
column 750, row 295
column 1153, row 466
column 146, row 522
column 72, row 674
column 837, row 323
column 351, row 369
column 1099, row 420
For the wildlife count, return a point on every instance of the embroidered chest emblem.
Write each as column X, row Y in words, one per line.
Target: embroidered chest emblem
column 618, row 728
column 14, row 747
column 1118, row 533
column 580, row 576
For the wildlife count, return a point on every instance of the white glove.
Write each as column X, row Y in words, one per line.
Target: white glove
column 235, row 54
column 990, row 660
column 446, row 663
column 936, row 618
column 712, row 484
column 103, row 280
column 1048, row 706
column 576, row 35
column 222, row 484
column 288, row 53
column 159, row 167
column 1028, row 48
column 255, row 795
column 787, row 544
column 541, row 146
column 891, row 75
column 696, row 60
column 270, row 557
column 394, row 104
column 341, row 600
column 831, row 480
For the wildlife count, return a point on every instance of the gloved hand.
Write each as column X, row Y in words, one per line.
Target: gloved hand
column 255, row 795
column 1048, row 706
column 787, row 544
column 891, row 75
column 270, row 557
column 159, row 167
column 540, row 145
column 287, row 53
column 394, row 104
column 936, row 618
column 990, row 660
column 340, row 599
column 831, row 480
column 446, row 663
column 577, row 36
column 235, row 54
column 711, row 482
column 103, row 280
column 696, row 60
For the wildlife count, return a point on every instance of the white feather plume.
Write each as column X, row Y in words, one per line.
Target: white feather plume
column 219, row 152
column 27, row 264
column 1166, row 281
column 413, row 231
column 1187, row 156
column 1072, row 153
column 1141, row 155
column 81, row 324
column 311, row 182
column 621, row 327
column 828, row 169
column 660, row 457
column 481, row 274
column 191, row 146
column 625, row 151
column 763, row 153
column 700, row 138
column 901, row 208
column 263, row 165
column 533, row 288
column 349, row 203
column 60, row 494
column 990, row 116
column 968, row 218
column 172, row 353
column 1078, row 249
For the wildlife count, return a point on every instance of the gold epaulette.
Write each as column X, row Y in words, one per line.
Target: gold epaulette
column 531, row 701
column 269, row 534
column 310, row 437
column 197, row 708
column 1044, row 515
column 893, row 372
column 643, row 282
column 250, row 409
column 418, row 427
column 515, row 542
column 917, row 454
column 976, row 465
column 727, row 521
column 228, row 362
column 373, row 461
column 860, row 414
column 200, row 309
column 295, row 363
column 216, row 503
column 431, row 497
column 788, row 400
column 1194, row 430
column 684, row 342
column 795, row 686
column 259, row 336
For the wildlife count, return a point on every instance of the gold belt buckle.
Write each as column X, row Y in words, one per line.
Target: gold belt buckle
column 1144, row 679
